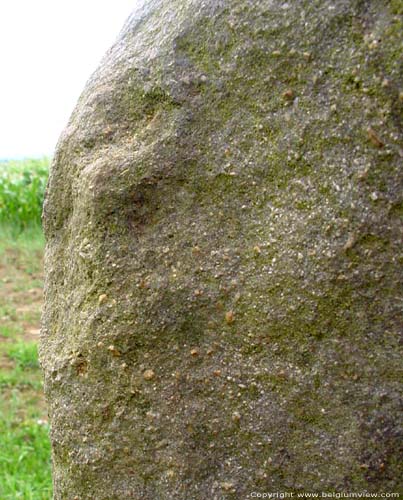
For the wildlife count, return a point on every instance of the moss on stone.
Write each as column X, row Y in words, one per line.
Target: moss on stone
column 219, row 212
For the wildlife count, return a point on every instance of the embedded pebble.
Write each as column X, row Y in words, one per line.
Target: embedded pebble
column 229, row 317
column 148, row 375
column 102, row 298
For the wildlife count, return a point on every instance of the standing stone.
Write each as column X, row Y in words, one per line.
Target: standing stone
column 224, row 252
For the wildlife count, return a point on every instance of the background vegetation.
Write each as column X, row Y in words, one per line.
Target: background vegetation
column 24, row 430
column 22, row 187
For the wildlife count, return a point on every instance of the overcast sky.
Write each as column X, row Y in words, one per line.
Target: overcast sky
column 48, row 50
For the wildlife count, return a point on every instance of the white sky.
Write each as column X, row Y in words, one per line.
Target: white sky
column 48, row 50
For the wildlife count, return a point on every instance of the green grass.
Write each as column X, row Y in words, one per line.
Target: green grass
column 24, row 431
column 24, row 449
column 22, row 187
column 25, row 354
column 17, row 378
column 25, row 471
column 21, row 249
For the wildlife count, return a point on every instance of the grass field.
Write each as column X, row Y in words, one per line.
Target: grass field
column 24, row 431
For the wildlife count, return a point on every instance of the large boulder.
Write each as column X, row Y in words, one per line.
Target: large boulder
column 224, row 252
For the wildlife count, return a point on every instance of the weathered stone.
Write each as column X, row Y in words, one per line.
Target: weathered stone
column 250, row 151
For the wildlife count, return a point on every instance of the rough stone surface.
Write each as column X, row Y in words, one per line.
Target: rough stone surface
column 224, row 252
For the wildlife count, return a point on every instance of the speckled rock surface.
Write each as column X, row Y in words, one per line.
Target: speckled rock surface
column 224, row 256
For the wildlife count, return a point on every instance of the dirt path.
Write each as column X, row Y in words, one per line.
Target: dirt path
column 21, row 295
